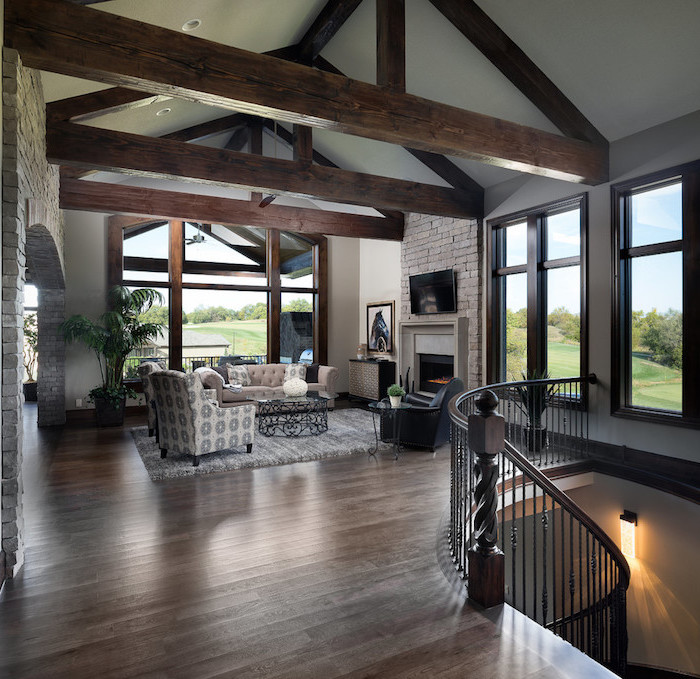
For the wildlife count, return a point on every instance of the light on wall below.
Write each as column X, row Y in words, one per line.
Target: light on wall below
column 628, row 524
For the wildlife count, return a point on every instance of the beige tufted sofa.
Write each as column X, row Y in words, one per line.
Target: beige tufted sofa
column 266, row 381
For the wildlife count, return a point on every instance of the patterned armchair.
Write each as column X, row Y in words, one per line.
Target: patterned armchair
column 189, row 423
column 145, row 370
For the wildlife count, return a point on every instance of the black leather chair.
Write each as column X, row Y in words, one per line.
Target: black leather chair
column 427, row 423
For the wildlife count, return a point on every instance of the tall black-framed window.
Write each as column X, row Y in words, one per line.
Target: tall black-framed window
column 656, row 324
column 537, row 293
column 227, row 289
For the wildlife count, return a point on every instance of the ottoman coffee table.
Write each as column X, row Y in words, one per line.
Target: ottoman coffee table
column 294, row 415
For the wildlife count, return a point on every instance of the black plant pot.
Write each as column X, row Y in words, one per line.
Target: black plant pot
column 536, row 438
column 107, row 415
column 29, row 389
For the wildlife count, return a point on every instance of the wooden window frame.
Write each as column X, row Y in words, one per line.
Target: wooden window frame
column 176, row 266
column 535, row 267
column 622, row 254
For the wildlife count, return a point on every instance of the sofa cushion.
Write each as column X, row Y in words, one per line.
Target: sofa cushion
column 238, row 374
column 312, row 373
column 210, row 377
column 295, row 371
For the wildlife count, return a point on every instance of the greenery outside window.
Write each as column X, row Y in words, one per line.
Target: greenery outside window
column 537, row 319
column 230, row 289
column 656, row 232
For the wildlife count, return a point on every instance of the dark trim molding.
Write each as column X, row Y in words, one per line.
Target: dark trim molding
column 647, row 672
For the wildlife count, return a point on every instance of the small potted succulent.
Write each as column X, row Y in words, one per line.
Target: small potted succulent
column 396, row 393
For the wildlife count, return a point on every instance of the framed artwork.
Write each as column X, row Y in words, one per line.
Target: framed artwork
column 380, row 327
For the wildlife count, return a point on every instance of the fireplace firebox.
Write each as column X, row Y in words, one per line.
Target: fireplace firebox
column 436, row 370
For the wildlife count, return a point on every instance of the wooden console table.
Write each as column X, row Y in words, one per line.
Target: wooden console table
column 371, row 379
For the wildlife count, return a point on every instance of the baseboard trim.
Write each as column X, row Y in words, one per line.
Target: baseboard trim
column 88, row 414
column 668, row 474
column 648, row 672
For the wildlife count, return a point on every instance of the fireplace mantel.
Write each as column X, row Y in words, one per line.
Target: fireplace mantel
column 448, row 337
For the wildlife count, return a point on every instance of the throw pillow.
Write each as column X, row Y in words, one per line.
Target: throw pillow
column 221, row 370
column 238, row 374
column 207, row 375
column 312, row 372
column 295, row 371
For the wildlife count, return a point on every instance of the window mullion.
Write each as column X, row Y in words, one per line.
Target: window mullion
column 534, row 348
column 691, row 281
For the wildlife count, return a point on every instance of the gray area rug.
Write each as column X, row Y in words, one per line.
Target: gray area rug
column 350, row 432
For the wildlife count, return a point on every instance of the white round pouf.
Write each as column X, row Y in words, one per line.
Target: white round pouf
column 295, row 387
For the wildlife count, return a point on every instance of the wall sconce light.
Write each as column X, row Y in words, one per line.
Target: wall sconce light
column 628, row 524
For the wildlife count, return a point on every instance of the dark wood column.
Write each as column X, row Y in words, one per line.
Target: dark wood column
column 321, row 302
column 691, row 312
column 391, row 44
column 274, row 297
column 175, row 265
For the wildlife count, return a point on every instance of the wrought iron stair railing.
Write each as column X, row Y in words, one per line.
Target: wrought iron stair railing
column 559, row 567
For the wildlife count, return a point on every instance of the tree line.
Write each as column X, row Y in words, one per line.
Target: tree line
column 217, row 314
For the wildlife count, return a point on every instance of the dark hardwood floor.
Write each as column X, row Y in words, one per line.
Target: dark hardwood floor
column 320, row 569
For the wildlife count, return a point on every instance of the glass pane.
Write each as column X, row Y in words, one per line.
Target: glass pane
column 657, row 331
column 297, row 328
column 564, row 234
column 222, row 323
column 296, row 261
column 150, row 240
column 657, row 215
column 516, row 244
column 31, row 296
column 564, row 322
column 516, row 326
column 224, row 245
column 157, row 349
column 155, row 276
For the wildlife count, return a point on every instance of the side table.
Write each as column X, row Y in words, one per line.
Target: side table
column 384, row 409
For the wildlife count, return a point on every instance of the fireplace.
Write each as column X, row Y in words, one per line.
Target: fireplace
column 435, row 370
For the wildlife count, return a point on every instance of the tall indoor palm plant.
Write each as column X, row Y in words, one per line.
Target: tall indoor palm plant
column 113, row 337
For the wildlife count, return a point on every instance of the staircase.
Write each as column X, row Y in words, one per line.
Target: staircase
column 513, row 535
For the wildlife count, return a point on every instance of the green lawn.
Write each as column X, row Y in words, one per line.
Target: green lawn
column 653, row 385
column 245, row 337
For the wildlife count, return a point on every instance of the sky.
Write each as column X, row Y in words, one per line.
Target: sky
column 656, row 279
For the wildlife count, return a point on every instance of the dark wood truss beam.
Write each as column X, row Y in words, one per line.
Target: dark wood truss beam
column 329, row 20
column 508, row 58
column 125, row 153
column 57, row 36
column 117, row 198
column 391, row 44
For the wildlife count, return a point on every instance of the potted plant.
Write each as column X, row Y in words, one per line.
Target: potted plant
column 29, row 356
column 534, row 399
column 396, row 393
column 113, row 337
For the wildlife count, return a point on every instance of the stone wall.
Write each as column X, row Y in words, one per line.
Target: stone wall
column 31, row 228
column 433, row 243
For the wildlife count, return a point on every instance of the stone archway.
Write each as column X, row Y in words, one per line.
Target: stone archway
column 46, row 272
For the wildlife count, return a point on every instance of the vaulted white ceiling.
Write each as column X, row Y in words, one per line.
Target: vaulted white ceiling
column 626, row 64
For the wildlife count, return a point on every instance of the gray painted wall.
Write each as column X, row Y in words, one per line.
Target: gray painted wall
column 658, row 148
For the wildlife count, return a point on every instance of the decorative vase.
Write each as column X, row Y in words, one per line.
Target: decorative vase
column 536, row 438
column 29, row 389
column 395, row 401
column 295, row 387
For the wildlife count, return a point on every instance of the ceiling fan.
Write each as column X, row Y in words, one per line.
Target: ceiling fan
column 197, row 238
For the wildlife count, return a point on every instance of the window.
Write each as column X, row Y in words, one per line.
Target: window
column 537, row 292
column 656, row 226
column 233, row 289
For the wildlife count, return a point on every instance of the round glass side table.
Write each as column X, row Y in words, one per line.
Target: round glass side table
column 390, row 416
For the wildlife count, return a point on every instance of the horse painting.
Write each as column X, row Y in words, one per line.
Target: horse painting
column 380, row 335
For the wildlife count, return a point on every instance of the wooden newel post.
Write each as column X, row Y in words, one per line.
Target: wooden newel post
column 485, row 559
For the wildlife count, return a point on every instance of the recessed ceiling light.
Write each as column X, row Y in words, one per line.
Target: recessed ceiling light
column 191, row 25
column 163, row 112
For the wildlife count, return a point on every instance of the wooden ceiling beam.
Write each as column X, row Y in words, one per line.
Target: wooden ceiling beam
column 509, row 59
column 88, row 106
column 96, row 149
column 102, row 197
column 61, row 37
column 391, row 44
column 329, row 20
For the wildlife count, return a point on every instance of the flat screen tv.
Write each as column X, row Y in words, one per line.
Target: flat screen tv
column 433, row 293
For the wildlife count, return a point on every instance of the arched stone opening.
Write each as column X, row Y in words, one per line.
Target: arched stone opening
column 44, row 269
